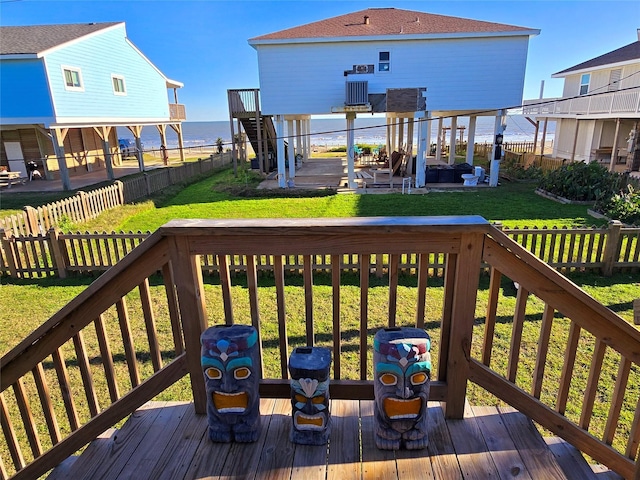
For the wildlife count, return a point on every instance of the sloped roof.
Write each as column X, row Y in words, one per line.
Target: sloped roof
column 390, row 21
column 623, row 54
column 34, row 39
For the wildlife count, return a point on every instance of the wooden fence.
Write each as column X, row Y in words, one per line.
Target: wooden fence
column 606, row 249
column 85, row 206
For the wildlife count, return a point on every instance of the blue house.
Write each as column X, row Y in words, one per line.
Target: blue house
column 64, row 89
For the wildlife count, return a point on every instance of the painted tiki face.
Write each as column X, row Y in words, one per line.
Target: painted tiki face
column 230, row 367
column 309, row 368
column 402, row 375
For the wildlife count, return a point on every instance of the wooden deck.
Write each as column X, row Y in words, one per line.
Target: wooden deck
column 168, row 441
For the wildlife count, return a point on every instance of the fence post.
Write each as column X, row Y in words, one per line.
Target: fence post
column 58, row 258
column 200, row 165
column 31, row 220
column 612, row 247
column 9, row 252
column 120, row 186
column 86, row 214
column 147, row 184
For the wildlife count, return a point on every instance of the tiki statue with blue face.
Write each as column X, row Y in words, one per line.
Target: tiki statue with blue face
column 402, row 373
column 230, row 362
column 311, row 420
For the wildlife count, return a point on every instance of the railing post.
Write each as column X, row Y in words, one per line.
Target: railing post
column 56, row 252
column 187, row 274
column 9, row 252
column 611, row 248
column 465, row 289
column 31, row 220
column 86, row 214
column 120, row 186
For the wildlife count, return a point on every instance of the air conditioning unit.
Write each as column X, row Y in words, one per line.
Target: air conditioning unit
column 357, row 93
column 361, row 68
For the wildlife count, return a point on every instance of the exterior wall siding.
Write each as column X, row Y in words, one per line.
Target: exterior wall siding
column 98, row 57
column 459, row 74
column 600, row 80
column 24, row 92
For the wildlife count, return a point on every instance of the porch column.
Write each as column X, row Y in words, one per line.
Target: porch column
column 401, row 143
column 428, row 146
column 496, row 151
column 452, row 140
column 535, row 136
column 351, row 117
column 614, row 149
column 178, row 129
column 389, row 142
column 423, row 146
column 575, row 141
column 298, row 136
column 544, row 136
column 410, row 123
column 291, row 150
column 59, row 135
column 234, row 150
column 439, row 142
column 280, row 143
column 136, row 130
column 394, row 140
column 471, row 139
column 162, row 130
column 261, row 154
column 103, row 133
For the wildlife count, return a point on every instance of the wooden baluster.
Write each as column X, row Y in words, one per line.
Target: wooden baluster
column 423, row 275
column 278, row 271
column 567, row 368
column 107, row 359
column 592, row 384
column 490, row 320
column 552, row 248
column 393, row 288
column 47, row 405
column 150, row 325
column 335, row 286
column 447, row 308
column 634, row 436
column 616, row 400
column 307, row 275
column 127, row 341
column 252, row 287
column 225, row 283
column 543, row 349
column 365, row 261
column 516, row 333
column 85, row 373
column 65, row 389
column 172, row 305
column 28, row 421
column 10, row 435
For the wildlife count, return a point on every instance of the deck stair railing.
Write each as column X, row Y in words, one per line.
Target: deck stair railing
column 134, row 333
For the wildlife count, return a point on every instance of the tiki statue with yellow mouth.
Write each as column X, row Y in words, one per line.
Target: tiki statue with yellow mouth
column 402, row 374
column 230, row 363
column 311, row 420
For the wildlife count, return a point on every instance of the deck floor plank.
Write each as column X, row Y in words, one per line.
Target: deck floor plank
column 570, row 459
column 168, row 441
column 537, row 457
column 501, row 448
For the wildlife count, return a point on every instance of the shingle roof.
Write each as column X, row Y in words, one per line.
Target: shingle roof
column 389, row 21
column 34, row 39
column 622, row 54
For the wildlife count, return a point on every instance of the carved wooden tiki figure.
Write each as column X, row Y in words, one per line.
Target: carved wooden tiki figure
column 231, row 372
column 311, row 420
column 402, row 373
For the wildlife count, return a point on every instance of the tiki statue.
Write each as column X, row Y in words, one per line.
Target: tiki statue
column 402, row 373
column 230, row 362
column 311, row 420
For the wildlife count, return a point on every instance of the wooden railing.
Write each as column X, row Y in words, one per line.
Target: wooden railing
column 625, row 101
column 177, row 111
column 609, row 249
column 134, row 332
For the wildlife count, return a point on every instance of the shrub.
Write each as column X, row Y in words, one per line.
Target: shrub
column 513, row 169
column 581, row 181
column 623, row 206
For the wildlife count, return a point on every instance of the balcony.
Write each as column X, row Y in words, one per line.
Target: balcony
column 177, row 112
column 624, row 104
column 60, row 389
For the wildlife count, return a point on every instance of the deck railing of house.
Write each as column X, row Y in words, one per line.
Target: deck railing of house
column 243, row 101
column 177, row 111
column 625, row 101
column 63, row 385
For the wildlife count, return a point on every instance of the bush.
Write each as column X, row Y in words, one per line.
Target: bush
column 582, row 182
column 623, row 206
column 513, row 169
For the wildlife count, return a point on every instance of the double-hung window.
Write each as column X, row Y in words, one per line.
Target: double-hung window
column 72, row 78
column 384, row 62
column 119, row 87
column 584, row 83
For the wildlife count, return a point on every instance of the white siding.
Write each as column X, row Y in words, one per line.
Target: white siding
column 600, row 80
column 459, row 74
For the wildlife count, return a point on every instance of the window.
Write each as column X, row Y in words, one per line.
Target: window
column 614, row 80
column 384, row 63
column 584, row 83
column 72, row 78
column 118, row 85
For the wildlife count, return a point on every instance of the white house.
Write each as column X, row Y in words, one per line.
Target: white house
column 64, row 89
column 598, row 115
column 412, row 66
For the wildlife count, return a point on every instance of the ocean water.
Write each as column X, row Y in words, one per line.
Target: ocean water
column 332, row 132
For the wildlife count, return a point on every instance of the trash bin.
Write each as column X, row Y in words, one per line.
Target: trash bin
column 255, row 164
column 446, row 175
column 432, row 175
column 460, row 169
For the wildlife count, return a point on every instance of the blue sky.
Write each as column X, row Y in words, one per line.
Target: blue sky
column 204, row 43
